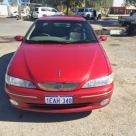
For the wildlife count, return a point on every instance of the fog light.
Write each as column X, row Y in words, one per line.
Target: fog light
column 104, row 101
column 13, row 102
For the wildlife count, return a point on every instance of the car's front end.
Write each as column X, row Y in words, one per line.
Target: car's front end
column 49, row 73
column 83, row 99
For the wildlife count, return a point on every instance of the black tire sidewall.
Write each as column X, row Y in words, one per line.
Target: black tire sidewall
column 17, row 17
column 88, row 17
column 130, row 31
column 28, row 17
column 99, row 17
column 44, row 15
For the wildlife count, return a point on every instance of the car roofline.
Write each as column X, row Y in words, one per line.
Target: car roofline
column 45, row 7
column 63, row 17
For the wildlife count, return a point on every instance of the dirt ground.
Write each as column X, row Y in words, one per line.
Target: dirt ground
column 116, row 119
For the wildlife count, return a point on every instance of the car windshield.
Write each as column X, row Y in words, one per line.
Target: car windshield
column 36, row 9
column 81, row 10
column 60, row 31
column 74, row 11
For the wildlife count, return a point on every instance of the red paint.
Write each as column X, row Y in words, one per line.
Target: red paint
column 76, row 62
column 120, row 10
column 60, row 17
column 102, row 38
column 18, row 38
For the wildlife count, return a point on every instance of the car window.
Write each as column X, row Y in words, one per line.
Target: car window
column 53, row 10
column 60, row 30
column 134, row 14
column 48, row 10
column 36, row 9
column 90, row 10
column 81, row 10
column 86, row 10
column 45, row 9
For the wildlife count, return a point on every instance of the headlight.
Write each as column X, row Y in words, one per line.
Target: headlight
column 99, row 82
column 18, row 82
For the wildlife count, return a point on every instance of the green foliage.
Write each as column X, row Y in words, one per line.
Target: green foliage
column 13, row 2
column 97, row 4
column 38, row 1
column 130, row 2
column 55, row 3
column 76, row 3
column 1, row 1
column 69, row 13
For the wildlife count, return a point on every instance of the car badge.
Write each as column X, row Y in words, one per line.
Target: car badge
column 58, row 86
column 58, row 73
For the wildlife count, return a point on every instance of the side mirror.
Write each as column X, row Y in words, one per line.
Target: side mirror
column 18, row 38
column 102, row 38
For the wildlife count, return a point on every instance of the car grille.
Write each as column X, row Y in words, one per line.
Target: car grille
column 58, row 86
column 57, row 107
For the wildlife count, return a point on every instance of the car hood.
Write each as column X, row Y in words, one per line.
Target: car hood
column 59, row 63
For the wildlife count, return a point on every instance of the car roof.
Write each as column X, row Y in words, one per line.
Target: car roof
column 61, row 17
column 45, row 7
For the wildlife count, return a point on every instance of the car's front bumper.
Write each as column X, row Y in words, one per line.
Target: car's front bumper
column 83, row 99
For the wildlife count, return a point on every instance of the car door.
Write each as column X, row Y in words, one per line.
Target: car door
column 134, row 14
column 43, row 12
column 54, row 12
column 91, row 13
column 80, row 12
column 46, row 12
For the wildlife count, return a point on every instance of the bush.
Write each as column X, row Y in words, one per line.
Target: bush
column 69, row 13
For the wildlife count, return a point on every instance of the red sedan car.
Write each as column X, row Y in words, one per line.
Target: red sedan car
column 59, row 67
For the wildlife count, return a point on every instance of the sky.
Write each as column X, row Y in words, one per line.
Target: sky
column 5, row 2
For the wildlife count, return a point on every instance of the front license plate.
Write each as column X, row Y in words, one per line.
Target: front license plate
column 58, row 99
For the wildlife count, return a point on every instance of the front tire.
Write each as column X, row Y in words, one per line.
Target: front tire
column 87, row 17
column 44, row 15
column 130, row 31
column 28, row 17
column 17, row 17
column 99, row 17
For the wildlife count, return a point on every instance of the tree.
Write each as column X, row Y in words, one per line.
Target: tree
column 73, row 3
column 97, row 3
column 38, row 1
column 13, row 2
column 67, row 3
column 1, row 1
column 130, row 2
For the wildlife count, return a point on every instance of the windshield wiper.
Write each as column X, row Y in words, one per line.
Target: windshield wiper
column 82, row 41
column 44, row 41
column 59, row 42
